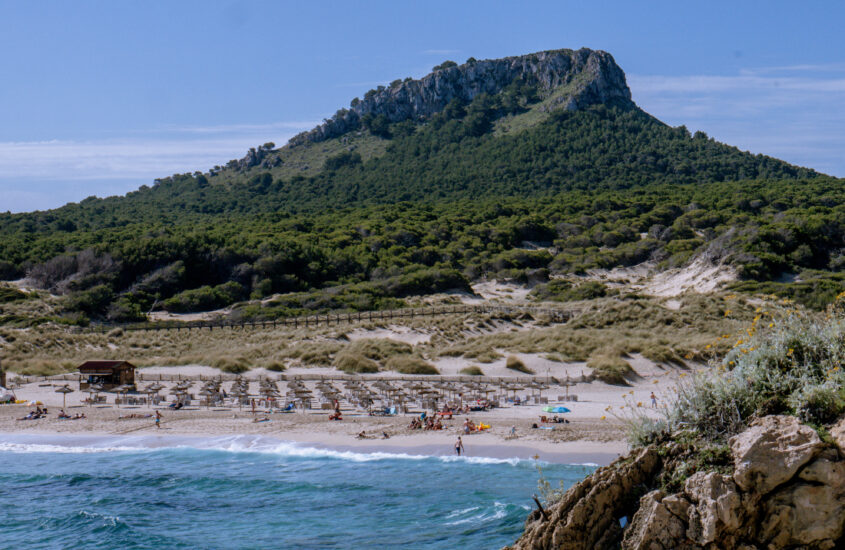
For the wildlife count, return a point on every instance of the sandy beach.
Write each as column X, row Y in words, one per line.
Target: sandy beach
column 595, row 432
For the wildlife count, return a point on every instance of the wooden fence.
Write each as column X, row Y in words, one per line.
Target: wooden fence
column 558, row 315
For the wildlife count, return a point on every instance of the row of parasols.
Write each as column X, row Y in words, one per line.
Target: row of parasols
column 357, row 392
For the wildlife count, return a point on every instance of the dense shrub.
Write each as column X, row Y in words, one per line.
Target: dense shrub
column 794, row 367
column 205, row 298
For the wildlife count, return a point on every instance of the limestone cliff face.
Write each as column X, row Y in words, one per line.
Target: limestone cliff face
column 787, row 490
column 594, row 75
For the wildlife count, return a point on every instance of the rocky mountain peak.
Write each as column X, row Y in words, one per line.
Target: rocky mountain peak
column 592, row 77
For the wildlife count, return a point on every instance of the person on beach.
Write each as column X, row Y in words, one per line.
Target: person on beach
column 253, row 406
column 158, row 419
column 459, row 446
column 653, row 400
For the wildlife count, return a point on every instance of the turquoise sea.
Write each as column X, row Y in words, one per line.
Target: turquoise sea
column 253, row 492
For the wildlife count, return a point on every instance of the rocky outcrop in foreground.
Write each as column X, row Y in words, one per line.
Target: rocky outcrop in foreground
column 597, row 79
column 787, row 490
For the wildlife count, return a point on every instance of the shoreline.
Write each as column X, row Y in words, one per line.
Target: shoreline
column 584, row 453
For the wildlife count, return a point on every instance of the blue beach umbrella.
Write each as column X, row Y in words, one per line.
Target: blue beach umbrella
column 556, row 410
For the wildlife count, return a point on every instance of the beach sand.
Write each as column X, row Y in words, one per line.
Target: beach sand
column 595, row 433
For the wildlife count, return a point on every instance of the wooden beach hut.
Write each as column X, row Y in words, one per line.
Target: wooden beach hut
column 108, row 374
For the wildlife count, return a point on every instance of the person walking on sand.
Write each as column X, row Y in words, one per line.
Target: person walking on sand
column 459, row 446
column 653, row 401
column 158, row 419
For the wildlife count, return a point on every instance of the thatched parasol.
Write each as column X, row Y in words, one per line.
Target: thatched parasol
column 93, row 389
column 64, row 390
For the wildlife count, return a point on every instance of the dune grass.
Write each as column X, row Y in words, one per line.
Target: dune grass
column 704, row 327
column 351, row 362
column 472, row 370
column 406, row 364
column 515, row 363
column 610, row 367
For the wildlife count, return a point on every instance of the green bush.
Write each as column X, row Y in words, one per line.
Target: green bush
column 793, row 368
column 818, row 403
column 340, row 160
column 205, row 298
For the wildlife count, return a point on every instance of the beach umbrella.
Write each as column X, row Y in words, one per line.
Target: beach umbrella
column 121, row 389
column 93, row 389
column 238, row 393
column 207, row 392
column 64, row 390
column 551, row 409
column 149, row 390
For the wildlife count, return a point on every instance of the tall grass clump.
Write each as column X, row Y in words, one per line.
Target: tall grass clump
column 407, row 364
column 515, row 363
column 352, row 362
column 472, row 370
column 793, row 367
column 609, row 367
column 380, row 349
column 234, row 365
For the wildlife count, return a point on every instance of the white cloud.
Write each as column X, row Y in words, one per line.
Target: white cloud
column 47, row 174
column 115, row 159
column 151, row 153
column 242, row 128
column 707, row 83
column 790, row 112
column 805, row 68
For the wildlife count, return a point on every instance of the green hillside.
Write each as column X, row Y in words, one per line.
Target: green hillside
column 393, row 209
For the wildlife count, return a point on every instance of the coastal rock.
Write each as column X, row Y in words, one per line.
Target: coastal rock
column 826, row 470
column 588, row 516
column 837, row 432
column 803, row 515
column 718, row 512
column 593, row 77
column 771, row 451
column 787, row 491
column 658, row 524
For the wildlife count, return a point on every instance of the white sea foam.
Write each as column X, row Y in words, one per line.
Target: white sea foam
column 11, row 447
column 31, row 443
column 271, row 446
column 497, row 511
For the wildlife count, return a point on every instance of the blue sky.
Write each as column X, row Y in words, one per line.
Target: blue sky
column 101, row 97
